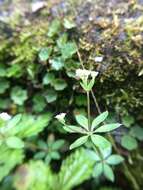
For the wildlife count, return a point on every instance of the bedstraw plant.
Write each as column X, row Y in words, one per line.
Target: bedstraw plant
column 94, row 131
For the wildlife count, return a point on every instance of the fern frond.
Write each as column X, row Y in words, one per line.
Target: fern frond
column 9, row 158
column 37, row 176
column 75, row 169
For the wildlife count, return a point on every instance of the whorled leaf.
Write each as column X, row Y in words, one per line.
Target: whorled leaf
column 99, row 119
column 107, row 127
column 82, row 120
column 80, row 141
column 100, row 141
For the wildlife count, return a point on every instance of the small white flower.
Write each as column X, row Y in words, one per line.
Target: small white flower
column 37, row 5
column 94, row 73
column 60, row 116
column 5, row 116
column 83, row 73
column 98, row 59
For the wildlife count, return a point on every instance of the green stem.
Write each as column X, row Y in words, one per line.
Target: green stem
column 95, row 101
column 88, row 109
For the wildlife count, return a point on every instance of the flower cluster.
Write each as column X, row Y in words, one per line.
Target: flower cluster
column 5, row 116
column 85, row 74
column 61, row 117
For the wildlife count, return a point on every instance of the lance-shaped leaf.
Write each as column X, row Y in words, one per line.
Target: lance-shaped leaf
column 99, row 119
column 79, row 142
column 108, row 172
column 107, row 128
column 14, row 142
column 82, row 120
column 90, row 84
column 114, row 159
column 98, row 169
column 14, row 121
column 74, row 129
column 100, row 141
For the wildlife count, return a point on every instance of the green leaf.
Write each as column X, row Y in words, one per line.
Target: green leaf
column 14, row 121
column 57, row 63
column 40, row 155
column 82, row 120
column 90, row 84
column 137, row 132
column 48, row 159
column 45, row 53
column 98, row 169
column 106, row 152
column 55, row 155
column 48, row 78
column 99, row 119
column 58, row 144
column 18, row 95
column 107, row 127
column 100, row 141
column 80, row 141
column 59, row 84
column 41, row 144
column 84, row 86
column 54, row 28
column 114, row 159
column 68, row 50
column 14, row 142
column 62, row 40
column 69, row 23
column 108, row 172
column 15, row 71
column 128, row 120
column 93, row 155
column 129, row 142
column 73, row 129
column 51, row 96
column 39, row 103
column 4, row 85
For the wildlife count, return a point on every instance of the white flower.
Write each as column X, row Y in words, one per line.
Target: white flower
column 94, row 73
column 5, row 116
column 37, row 5
column 98, row 59
column 83, row 73
column 60, row 116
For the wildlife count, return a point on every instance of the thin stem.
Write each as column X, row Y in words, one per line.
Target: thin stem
column 88, row 109
column 95, row 101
